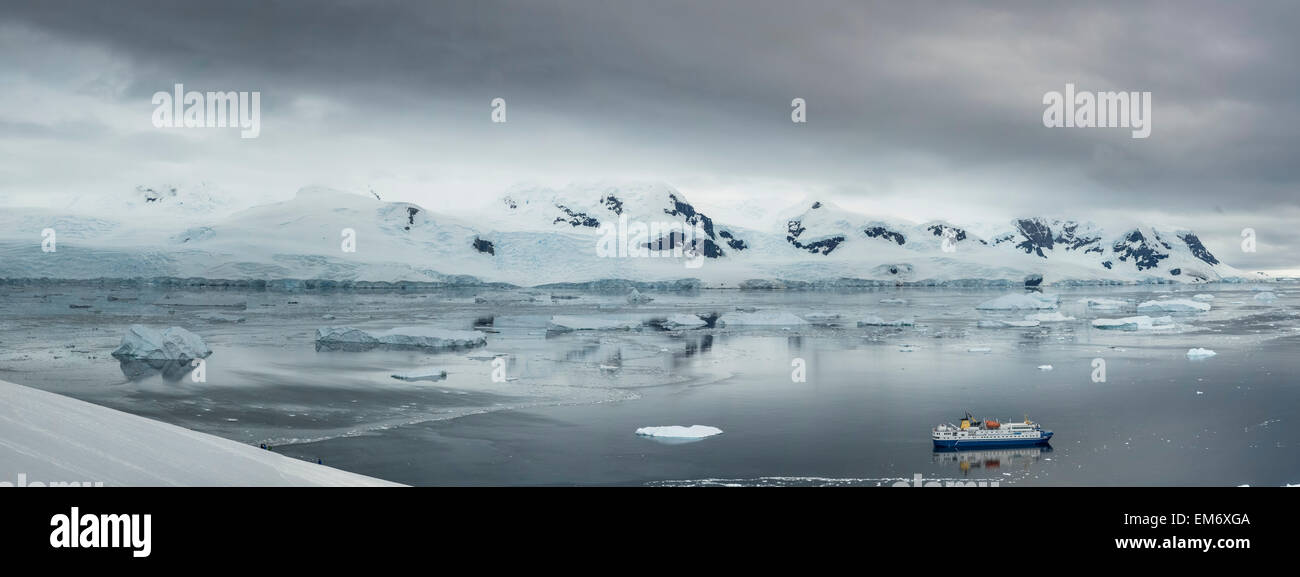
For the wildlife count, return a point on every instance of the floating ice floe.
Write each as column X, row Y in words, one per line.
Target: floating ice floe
column 422, row 375
column 1020, row 301
column 1142, row 322
column 1044, row 367
column 566, row 323
column 1001, row 324
column 505, row 298
column 979, row 350
column 636, row 298
column 170, row 344
column 761, row 318
column 683, row 321
column 893, row 301
column 1174, row 306
column 822, row 317
column 1265, row 296
column 220, row 318
column 205, row 301
column 1199, row 353
column 874, row 321
column 680, row 432
column 1052, row 317
column 1203, row 297
column 1103, row 304
column 412, row 337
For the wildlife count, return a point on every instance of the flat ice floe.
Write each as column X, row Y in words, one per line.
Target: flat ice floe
column 1020, row 301
column 1265, row 296
column 1052, row 317
column 683, row 321
column 566, row 323
column 422, row 375
column 170, row 344
column 1103, row 304
column 1001, row 324
column 761, row 318
column 414, row 337
column 874, row 321
column 679, row 432
column 1174, row 306
column 1199, row 353
column 1203, row 297
column 1142, row 322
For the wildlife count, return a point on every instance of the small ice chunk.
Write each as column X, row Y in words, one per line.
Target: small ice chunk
column 1199, row 353
column 893, row 301
column 565, row 323
column 1206, row 297
column 1105, row 304
column 1265, row 296
column 1000, row 324
column 683, row 321
column 1017, row 301
column 979, row 350
column 874, row 321
column 636, row 298
column 680, row 432
column 1044, row 367
column 1142, row 322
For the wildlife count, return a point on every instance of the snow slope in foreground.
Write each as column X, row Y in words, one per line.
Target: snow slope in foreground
column 53, row 438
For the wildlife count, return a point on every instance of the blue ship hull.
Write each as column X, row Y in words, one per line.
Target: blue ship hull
column 1007, row 442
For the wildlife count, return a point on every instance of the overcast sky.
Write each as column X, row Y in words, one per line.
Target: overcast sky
column 914, row 109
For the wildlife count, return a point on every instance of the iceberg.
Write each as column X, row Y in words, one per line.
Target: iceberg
column 1265, row 296
column 874, row 321
column 680, row 432
column 567, row 323
column 1199, row 353
column 636, row 298
column 683, row 321
column 1100, row 303
column 1174, row 306
column 403, row 337
column 1020, row 301
column 170, row 344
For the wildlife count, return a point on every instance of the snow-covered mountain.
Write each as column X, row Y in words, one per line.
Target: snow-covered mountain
column 538, row 236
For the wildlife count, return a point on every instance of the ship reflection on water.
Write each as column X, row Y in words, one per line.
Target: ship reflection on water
column 990, row 459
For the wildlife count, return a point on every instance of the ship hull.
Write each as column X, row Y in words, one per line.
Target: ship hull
column 1005, row 442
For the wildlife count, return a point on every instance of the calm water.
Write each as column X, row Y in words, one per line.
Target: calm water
column 567, row 412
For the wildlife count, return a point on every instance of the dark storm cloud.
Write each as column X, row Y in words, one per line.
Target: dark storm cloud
column 892, row 87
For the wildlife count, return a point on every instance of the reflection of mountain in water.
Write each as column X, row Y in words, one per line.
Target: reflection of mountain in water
column 990, row 459
column 171, row 370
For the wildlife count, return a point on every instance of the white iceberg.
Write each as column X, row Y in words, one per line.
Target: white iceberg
column 1265, row 296
column 1199, row 353
column 1104, row 304
column 1174, row 306
column 414, row 337
column 1019, row 301
column 680, row 432
column 761, row 318
column 636, row 298
column 1044, row 367
column 683, row 321
column 893, row 301
column 566, row 323
column 170, row 344
column 980, row 350
column 1142, row 322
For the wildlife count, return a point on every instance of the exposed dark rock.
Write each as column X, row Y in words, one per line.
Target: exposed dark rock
column 576, row 219
column 1136, row 246
column 882, row 232
column 484, row 246
column 1038, row 236
column 1198, row 249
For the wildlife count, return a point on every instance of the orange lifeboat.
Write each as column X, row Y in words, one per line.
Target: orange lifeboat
column 992, row 424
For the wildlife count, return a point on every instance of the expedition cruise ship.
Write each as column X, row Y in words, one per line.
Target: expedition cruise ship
column 988, row 433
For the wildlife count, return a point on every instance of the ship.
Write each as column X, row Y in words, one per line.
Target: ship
column 972, row 433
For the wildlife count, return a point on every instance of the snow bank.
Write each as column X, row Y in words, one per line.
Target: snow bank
column 566, row 323
column 1174, row 306
column 53, row 438
column 1142, row 322
column 680, row 432
column 170, row 344
column 1020, row 301
column 1200, row 353
column 413, row 337
column 761, row 318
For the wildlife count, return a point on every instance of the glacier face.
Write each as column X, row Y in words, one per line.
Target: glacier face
column 540, row 236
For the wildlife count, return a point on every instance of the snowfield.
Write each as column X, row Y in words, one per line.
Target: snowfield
column 56, row 439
